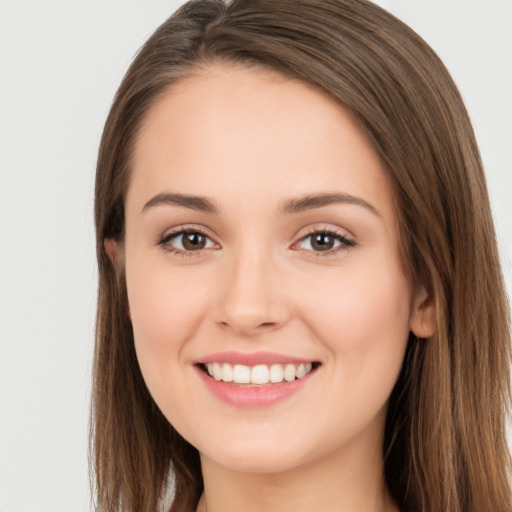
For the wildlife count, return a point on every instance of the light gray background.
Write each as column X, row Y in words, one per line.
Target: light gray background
column 61, row 62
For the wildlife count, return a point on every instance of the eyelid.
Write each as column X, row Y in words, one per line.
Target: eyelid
column 164, row 240
column 323, row 227
column 347, row 240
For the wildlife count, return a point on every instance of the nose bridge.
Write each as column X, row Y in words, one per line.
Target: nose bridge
column 251, row 300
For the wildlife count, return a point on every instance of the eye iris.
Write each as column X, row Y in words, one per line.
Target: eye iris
column 193, row 241
column 322, row 242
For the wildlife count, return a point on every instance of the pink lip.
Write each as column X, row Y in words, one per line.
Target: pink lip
column 253, row 396
column 251, row 359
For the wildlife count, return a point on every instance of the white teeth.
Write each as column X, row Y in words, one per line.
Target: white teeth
column 276, row 373
column 241, row 374
column 289, row 372
column 217, row 371
column 258, row 374
column 227, row 372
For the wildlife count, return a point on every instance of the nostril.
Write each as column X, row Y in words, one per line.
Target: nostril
column 247, row 326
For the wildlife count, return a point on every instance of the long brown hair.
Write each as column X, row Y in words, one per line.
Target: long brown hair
column 445, row 447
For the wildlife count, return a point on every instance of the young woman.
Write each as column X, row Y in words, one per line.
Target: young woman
column 300, row 301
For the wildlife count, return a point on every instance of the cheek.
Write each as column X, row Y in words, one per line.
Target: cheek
column 357, row 303
column 365, row 326
column 166, row 309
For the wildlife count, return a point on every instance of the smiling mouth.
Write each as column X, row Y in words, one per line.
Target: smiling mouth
column 257, row 375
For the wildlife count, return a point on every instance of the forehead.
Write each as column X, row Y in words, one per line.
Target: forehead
column 226, row 129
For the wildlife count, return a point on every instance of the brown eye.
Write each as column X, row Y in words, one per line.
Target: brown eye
column 186, row 241
column 322, row 242
column 193, row 241
column 325, row 241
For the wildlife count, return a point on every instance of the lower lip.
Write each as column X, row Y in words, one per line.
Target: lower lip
column 253, row 396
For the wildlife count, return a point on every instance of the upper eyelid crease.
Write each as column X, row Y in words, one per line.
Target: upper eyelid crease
column 345, row 240
column 182, row 230
column 165, row 240
column 348, row 241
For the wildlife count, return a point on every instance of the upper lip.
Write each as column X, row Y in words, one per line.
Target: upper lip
column 251, row 358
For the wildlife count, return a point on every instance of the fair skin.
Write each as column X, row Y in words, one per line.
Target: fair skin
column 234, row 157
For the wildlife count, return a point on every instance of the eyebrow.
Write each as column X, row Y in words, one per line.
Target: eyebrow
column 311, row 202
column 301, row 204
column 198, row 203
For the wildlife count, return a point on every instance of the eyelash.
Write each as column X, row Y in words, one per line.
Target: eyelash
column 345, row 243
column 164, row 242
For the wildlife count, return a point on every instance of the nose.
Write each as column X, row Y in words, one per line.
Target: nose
column 252, row 296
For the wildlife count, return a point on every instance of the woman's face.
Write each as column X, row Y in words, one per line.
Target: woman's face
column 262, row 245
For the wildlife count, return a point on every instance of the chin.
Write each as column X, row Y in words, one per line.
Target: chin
column 258, row 463
column 262, row 456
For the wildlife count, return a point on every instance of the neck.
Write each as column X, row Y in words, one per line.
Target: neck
column 350, row 479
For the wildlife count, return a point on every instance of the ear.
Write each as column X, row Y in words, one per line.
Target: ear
column 111, row 248
column 423, row 314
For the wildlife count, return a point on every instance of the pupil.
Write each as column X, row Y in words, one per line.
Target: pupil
column 194, row 241
column 322, row 242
